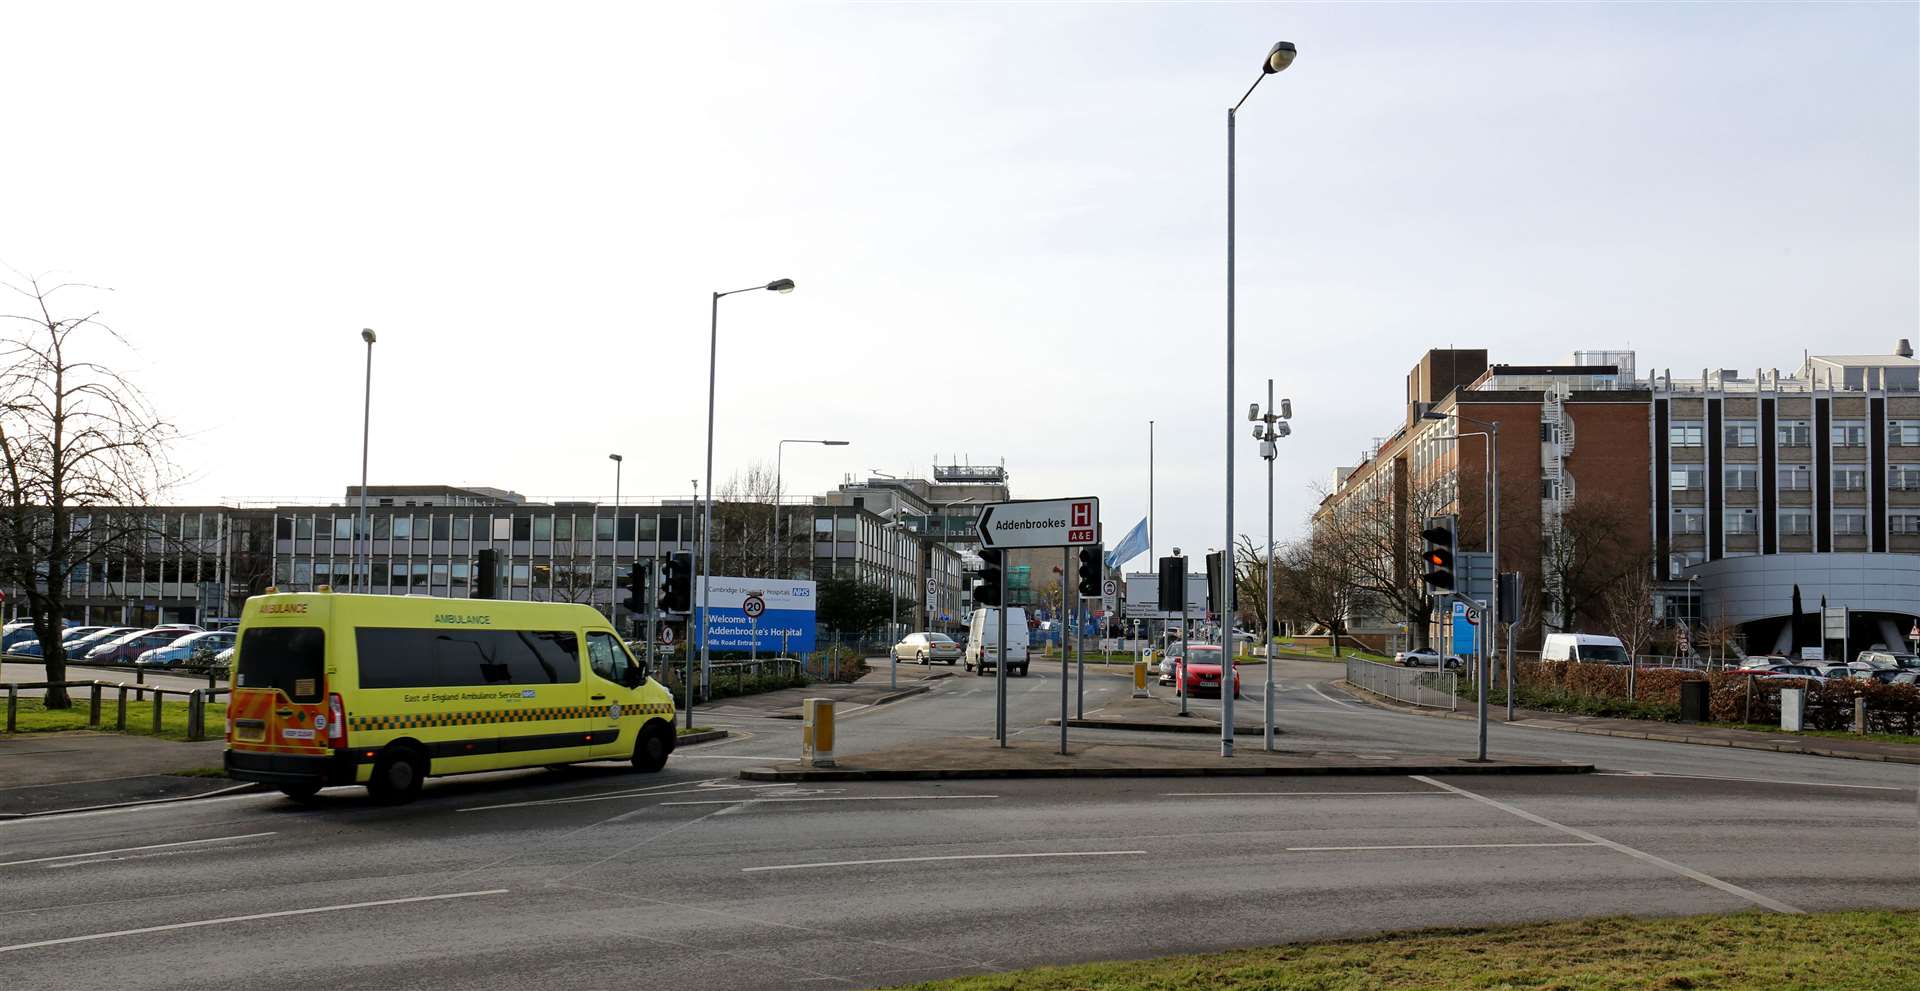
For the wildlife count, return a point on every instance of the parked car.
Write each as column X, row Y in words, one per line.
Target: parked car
column 1199, row 672
column 927, row 648
column 1843, row 671
column 1794, row 672
column 77, row 647
column 1761, row 662
column 15, row 634
column 1886, row 660
column 1426, row 657
column 192, row 650
column 124, row 649
column 1896, row 677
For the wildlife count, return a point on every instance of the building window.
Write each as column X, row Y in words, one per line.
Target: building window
column 543, row 528
column 502, row 528
column 283, row 527
column 563, row 528
column 1849, row 524
column 1906, row 523
column 1743, row 435
column 442, row 527
column 1689, row 521
column 1849, row 433
column 382, row 527
column 523, row 528
column 462, row 527
column 1904, row 478
column 1743, row 523
column 1795, row 433
column 1796, row 523
column 303, row 527
column 403, row 528
column 1903, row 433
column 1686, row 559
column 1743, row 479
column 1849, row 479
column 1796, row 478
column 1685, row 435
column 1688, row 479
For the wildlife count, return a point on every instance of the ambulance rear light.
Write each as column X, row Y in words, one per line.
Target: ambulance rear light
column 324, row 589
column 336, row 722
column 273, row 590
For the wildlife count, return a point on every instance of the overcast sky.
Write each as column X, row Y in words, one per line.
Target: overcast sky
column 1006, row 222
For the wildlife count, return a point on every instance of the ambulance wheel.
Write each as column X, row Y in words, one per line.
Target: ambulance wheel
column 397, row 776
column 651, row 750
column 300, row 793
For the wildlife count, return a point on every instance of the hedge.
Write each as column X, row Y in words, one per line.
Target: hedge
column 1829, row 705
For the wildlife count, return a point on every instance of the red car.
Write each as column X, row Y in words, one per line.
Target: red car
column 1202, row 663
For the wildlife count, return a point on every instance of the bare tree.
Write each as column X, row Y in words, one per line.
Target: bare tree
column 1596, row 546
column 1379, row 546
column 746, row 543
column 1317, row 584
column 76, row 437
column 1629, row 609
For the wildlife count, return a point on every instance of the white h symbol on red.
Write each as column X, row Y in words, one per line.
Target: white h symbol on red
column 1082, row 514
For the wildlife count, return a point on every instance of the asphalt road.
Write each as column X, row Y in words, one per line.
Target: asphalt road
column 597, row 877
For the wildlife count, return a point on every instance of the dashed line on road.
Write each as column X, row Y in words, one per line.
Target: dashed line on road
column 135, row 849
column 1433, row 846
column 963, row 856
column 171, row 927
column 1324, row 695
column 1757, row 781
column 843, row 798
column 1309, row 794
column 1700, row 876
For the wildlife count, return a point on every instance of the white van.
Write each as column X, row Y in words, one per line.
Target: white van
column 983, row 640
column 1590, row 647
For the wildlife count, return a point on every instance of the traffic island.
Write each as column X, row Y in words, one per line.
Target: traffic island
column 972, row 757
column 1159, row 715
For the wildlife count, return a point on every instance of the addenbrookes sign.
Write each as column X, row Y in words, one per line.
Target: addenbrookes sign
column 1041, row 523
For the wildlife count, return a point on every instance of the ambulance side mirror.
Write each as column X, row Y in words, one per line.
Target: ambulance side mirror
column 636, row 674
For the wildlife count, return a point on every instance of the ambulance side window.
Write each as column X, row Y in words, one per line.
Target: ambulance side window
column 608, row 659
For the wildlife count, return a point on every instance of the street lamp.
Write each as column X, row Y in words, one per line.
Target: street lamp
column 613, row 553
column 779, row 457
column 1491, row 493
column 1272, row 425
column 706, row 522
column 1278, row 58
column 366, row 427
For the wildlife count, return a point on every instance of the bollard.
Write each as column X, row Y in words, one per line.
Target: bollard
column 211, row 685
column 1140, row 680
column 1860, row 714
column 196, row 715
column 93, row 705
column 157, row 696
column 816, row 733
column 13, row 706
column 120, row 710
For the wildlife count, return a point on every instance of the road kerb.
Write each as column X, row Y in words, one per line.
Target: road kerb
column 1011, row 773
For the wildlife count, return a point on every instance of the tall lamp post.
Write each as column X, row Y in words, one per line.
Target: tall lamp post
column 779, row 458
column 1491, row 493
column 1279, row 57
column 706, row 519
column 365, row 525
column 613, row 580
column 1271, row 426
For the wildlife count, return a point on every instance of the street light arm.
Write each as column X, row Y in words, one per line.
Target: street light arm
column 1243, row 97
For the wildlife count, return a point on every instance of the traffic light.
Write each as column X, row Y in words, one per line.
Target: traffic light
column 676, row 583
column 486, row 573
column 1439, row 553
column 1216, row 567
column 635, row 582
column 1173, row 585
column 1090, row 565
column 993, row 563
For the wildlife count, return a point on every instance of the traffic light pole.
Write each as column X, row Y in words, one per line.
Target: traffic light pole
column 1066, row 573
column 1000, row 664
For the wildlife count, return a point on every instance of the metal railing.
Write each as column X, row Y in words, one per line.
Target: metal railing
column 196, row 703
column 1435, row 689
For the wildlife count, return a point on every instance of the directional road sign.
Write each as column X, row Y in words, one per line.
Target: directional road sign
column 1041, row 523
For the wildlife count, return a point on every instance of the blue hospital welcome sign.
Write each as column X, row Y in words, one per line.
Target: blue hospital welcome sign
column 787, row 624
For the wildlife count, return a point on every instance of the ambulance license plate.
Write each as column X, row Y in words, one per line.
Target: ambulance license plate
column 249, row 730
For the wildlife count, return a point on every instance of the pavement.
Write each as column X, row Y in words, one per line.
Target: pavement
column 42, row 772
column 1698, row 734
column 1158, row 715
column 587, row 876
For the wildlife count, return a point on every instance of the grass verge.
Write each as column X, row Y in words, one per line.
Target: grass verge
column 1746, row 952
column 1326, row 653
column 1834, row 734
column 34, row 717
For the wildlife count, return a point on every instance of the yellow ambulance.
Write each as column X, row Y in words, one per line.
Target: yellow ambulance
column 384, row 690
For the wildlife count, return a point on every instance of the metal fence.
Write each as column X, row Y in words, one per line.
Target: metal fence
column 1437, row 689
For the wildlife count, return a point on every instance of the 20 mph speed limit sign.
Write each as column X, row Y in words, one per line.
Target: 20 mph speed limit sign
column 753, row 606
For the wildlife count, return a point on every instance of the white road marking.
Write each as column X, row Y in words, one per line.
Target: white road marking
column 1314, row 794
column 1706, row 879
column 691, row 788
column 844, row 798
column 1758, row 781
column 1324, row 695
column 135, row 849
column 681, row 756
column 154, row 807
column 247, row 918
column 966, row 856
column 1433, row 846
